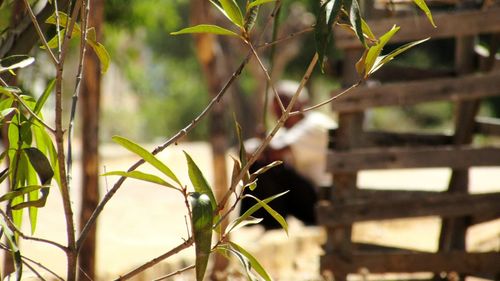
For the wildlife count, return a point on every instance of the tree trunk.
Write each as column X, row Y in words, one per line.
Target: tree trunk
column 90, row 105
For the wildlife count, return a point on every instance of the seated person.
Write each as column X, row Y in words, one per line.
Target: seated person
column 302, row 146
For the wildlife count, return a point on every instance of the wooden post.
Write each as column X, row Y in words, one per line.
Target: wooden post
column 90, row 109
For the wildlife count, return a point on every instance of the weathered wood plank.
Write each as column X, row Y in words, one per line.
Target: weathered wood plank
column 417, row 27
column 388, row 139
column 438, row 204
column 488, row 126
column 466, row 87
column 458, row 261
column 418, row 157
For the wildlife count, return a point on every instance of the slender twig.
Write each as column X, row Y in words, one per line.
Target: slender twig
column 69, row 32
column 21, row 101
column 58, row 28
column 38, row 275
column 78, row 82
column 40, row 32
column 186, row 244
column 268, row 78
column 175, row 273
column 284, row 39
column 328, row 100
column 13, row 227
column 25, row 259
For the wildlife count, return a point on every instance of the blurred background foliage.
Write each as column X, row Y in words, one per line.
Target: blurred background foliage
column 155, row 82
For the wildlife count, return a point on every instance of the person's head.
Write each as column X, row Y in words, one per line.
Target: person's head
column 286, row 89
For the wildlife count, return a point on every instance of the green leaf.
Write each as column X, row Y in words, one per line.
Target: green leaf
column 205, row 28
column 265, row 169
column 63, row 22
column 45, row 144
column 243, row 260
column 253, row 261
column 202, row 217
column 102, row 54
column 235, row 224
column 387, row 58
column 241, row 143
column 43, row 98
column 54, row 42
column 367, row 30
column 256, row 207
column 375, row 50
column 14, row 250
column 258, row 3
column 9, row 90
column 271, row 211
column 141, row 176
column 41, row 164
column 147, row 156
column 19, row 192
column 199, row 182
column 250, row 17
column 14, row 62
column 233, row 11
column 326, row 18
column 7, row 112
column 423, row 6
column 352, row 6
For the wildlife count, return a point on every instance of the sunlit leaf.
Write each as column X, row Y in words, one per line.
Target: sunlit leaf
column 367, row 30
column 7, row 112
column 233, row 11
column 265, row 169
column 423, row 6
column 374, row 51
column 102, row 54
column 43, row 98
column 360, row 65
column 9, row 90
column 243, row 260
column 256, row 207
column 205, row 28
column 199, row 182
column 236, row 171
column 202, row 217
column 271, row 211
column 253, row 261
column 234, row 225
column 140, row 176
column 250, row 16
column 63, row 22
column 258, row 3
column 147, row 156
column 19, row 192
column 387, row 58
column 14, row 62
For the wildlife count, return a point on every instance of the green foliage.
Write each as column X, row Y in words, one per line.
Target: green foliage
column 201, row 219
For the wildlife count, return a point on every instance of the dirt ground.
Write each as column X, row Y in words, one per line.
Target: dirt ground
column 143, row 221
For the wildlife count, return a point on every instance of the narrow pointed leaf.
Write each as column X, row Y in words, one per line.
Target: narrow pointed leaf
column 14, row 62
column 250, row 17
column 199, row 182
column 256, row 207
column 205, row 28
column 375, row 50
column 202, row 217
column 41, row 164
column 367, row 30
column 233, row 11
column 63, row 22
column 272, row 212
column 45, row 95
column 352, row 7
column 140, row 176
column 244, row 261
column 19, row 192
column 258, row 3
column 423, row 6
column 265, row 169
column 326, row 18
column 253, row 261
column 387, row 58
column 102, row 54
column 234, row 225
column 147, row 156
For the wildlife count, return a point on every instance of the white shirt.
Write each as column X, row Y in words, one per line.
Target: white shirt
column 308, row 140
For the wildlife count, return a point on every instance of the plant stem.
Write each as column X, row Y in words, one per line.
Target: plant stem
column 173, row 251
column 175, row 273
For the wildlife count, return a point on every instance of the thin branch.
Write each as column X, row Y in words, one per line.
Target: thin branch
column 175, row 273
column 40, row 32
column 58, row 28
column 20, row 100
column 69, row 32
column 328, row 100
column 284, row 39
column 186, row 244
column 78, row 82
column 38, row 275
column 13, row 227
column 268, row 78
